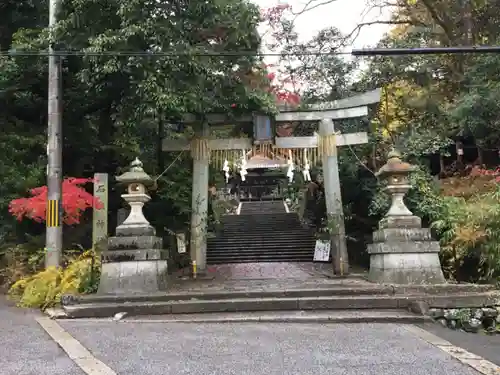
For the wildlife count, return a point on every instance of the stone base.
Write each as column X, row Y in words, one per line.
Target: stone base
column 405, row 256
column 399, row 268
column 130, row 230
column 140, row 276
column 135, row 242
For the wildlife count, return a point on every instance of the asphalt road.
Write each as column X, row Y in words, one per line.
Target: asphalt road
column 26, row 348
column 132, row 348
column 480, row 344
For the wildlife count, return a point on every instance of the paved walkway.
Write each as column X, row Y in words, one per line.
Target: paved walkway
column 265, row 276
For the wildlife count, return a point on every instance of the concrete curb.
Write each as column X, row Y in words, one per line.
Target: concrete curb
column 273, row 319
column 476, row 362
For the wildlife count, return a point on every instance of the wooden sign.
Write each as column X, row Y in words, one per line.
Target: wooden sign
column 262, row 131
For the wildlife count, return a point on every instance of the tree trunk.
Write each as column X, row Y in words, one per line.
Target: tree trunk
column 480, row 156
column 441, row 165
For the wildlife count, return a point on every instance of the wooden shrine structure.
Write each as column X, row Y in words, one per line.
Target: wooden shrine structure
column 320, row 147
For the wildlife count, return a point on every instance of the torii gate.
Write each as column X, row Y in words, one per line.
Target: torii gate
column 327, row 141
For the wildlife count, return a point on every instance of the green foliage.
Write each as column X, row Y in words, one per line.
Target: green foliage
column 469, row 231
column 423, row 199
column 116, row 107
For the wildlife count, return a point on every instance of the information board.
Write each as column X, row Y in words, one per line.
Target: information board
column 322, row 251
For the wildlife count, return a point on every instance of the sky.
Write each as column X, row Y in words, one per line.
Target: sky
column 343, row 14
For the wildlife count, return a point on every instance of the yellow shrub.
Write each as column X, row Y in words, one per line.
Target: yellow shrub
column 45, row 288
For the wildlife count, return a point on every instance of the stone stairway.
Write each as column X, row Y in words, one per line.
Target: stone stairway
column 263, row 232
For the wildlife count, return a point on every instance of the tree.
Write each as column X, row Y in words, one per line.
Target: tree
column 75, row 200
column 117, row 106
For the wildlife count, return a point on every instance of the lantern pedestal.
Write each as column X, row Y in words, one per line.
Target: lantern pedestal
column 135, row 261
column 402, row 251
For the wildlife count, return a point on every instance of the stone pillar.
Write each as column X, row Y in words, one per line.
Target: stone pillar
column 333, row 197
column 135, row 261
column 402, row 251
column 199, row 200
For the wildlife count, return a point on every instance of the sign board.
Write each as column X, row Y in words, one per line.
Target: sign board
column 322, row 251
column 100, row 216
column 181, row 243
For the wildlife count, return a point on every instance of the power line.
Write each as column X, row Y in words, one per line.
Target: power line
column 165, row 54
column 425, row 51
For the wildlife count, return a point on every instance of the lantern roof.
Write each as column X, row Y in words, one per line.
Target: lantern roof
column 135, row 174
column 395, row 165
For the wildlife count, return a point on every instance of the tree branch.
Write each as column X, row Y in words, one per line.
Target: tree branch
column 432, row 11
column 353, row 35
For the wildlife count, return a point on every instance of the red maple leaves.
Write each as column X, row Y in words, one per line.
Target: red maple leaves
column 75, row 200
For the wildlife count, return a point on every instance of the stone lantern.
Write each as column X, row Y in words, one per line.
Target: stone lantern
column 135, row 261
column 137, row 182
column 397, row 175
column 402, row 251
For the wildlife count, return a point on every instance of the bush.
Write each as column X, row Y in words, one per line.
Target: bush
column 45, row 288
column 470, row 237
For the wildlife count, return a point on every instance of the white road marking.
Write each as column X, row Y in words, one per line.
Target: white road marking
column 75, row 351
column 478, row 363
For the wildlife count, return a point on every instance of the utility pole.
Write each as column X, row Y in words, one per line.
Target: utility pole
column 54, row 232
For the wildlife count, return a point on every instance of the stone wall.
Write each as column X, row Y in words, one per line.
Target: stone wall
column 470, row 319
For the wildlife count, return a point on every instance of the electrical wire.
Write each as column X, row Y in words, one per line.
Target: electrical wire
column 63, row 53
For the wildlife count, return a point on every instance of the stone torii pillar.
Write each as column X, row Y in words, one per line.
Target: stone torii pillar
column 200, row 151
column 333, row 196
column 327, row 140
column 200, row 147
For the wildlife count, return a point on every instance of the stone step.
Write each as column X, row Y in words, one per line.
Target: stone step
column 306, row 254
column 289, row 259
column 324, row 316
column 245, row 238
column 249, row 234
column 263, row 221
column 244, row 235
column 259, row 242
column 297, row 254
column 256, row 221
column 269, row 251
column 261, row 215
column 150, row 306
column 229, row 251
column 253, row 260
column 266, row 227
